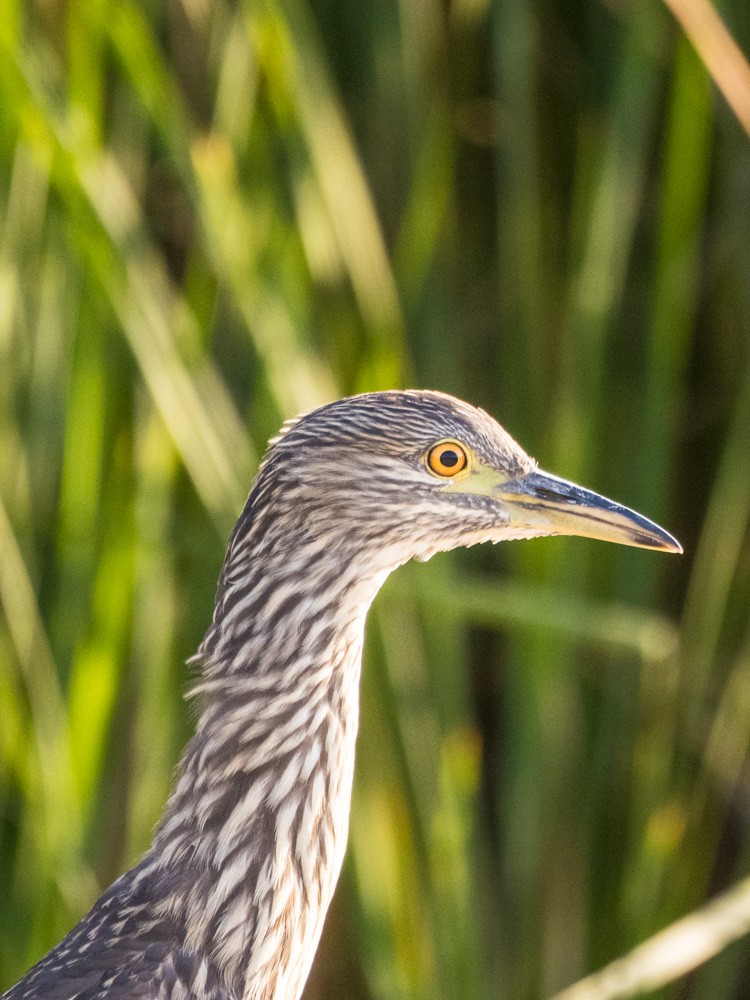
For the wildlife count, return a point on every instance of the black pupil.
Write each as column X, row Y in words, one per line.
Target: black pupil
column 448, row 459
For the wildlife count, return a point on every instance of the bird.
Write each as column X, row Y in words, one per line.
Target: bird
column 228, row 902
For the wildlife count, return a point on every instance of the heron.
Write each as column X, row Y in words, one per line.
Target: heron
column 228, row 902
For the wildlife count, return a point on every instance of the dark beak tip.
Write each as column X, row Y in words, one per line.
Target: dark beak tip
column 660, row 541
column 657, row 540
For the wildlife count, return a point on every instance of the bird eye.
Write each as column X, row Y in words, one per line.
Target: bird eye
column 446, row 458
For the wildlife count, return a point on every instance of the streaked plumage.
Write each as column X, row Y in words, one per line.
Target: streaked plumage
column 229, row 901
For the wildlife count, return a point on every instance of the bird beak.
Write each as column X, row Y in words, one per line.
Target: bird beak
column 544, row 504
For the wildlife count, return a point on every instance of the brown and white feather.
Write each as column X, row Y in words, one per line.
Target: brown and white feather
column 229, row 901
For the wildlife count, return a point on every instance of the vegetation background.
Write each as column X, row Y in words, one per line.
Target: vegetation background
column 215, row 214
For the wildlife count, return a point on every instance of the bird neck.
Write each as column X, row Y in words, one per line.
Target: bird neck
column 255, row 830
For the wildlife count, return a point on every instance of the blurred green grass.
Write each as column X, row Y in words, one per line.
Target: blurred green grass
column 213, row 216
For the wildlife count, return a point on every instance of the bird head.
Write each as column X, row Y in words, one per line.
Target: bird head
column 403, row 475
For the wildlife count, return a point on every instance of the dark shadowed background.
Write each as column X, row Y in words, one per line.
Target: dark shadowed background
column 216, row 214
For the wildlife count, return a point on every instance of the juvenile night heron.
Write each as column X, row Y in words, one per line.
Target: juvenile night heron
column 229, row 901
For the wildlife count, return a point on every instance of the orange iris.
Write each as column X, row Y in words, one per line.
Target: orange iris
column 446, row 458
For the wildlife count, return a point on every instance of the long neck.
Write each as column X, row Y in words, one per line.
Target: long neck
column 256, row 827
